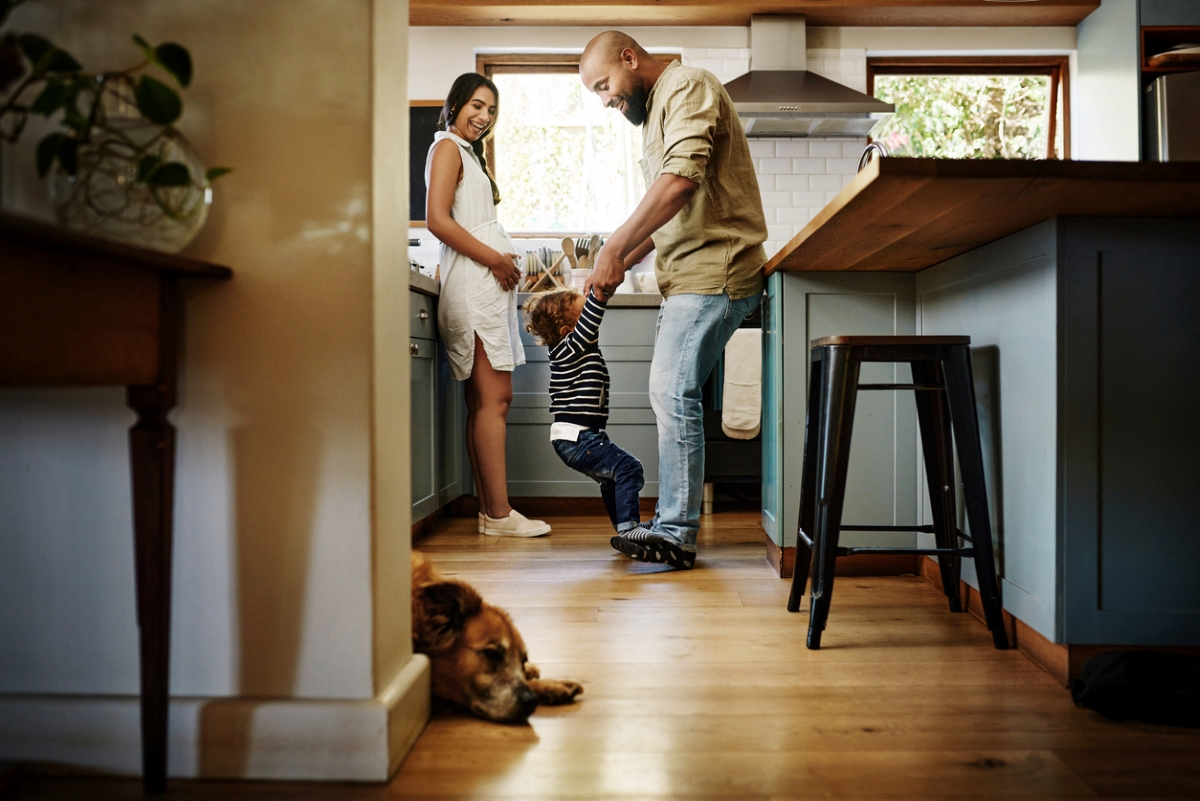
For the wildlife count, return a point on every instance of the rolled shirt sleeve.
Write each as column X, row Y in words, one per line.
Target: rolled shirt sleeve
column 689, row 127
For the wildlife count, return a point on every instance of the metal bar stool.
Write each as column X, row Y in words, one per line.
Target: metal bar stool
column 945, row 396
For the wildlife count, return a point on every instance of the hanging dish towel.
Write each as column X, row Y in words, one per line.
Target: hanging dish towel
column 741, row 413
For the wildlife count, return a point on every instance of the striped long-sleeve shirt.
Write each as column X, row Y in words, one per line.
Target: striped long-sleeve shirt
column 578, row 374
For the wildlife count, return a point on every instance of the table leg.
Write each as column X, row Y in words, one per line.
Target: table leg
column 152, row 458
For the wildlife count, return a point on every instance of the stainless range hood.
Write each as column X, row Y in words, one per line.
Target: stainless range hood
column 779, row 97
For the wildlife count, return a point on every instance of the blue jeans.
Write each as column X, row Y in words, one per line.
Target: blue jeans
column 692, row 333
column 618, row 472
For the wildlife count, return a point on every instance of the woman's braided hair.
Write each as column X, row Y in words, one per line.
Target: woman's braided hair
column 546, row 314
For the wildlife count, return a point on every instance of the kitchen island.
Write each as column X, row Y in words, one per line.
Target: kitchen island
column 1078, row 284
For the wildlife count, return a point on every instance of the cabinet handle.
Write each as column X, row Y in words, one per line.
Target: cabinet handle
column 413, row 350
column 422, row 315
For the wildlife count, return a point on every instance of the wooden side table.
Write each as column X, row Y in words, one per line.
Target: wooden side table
column 80, row 311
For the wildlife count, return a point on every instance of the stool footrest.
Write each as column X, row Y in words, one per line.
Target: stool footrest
column 909, row 551
column 923, row 387
column 923, row 529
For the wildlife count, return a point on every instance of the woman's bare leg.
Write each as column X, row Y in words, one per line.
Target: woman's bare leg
column 472, row 398
column 487, row 427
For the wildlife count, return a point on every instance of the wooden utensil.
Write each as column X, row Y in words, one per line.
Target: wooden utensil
column 569, row 250
column 593, row 247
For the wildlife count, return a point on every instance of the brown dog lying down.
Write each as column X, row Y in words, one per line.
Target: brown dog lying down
column 477, row 656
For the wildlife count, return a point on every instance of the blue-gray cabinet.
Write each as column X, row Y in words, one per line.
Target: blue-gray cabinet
column 882, row 485
column 1086, row 357
column 440, row 470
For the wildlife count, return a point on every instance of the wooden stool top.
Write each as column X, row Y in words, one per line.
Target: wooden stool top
column 842, row 340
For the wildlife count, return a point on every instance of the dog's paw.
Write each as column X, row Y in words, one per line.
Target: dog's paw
column 531, row 671
column 553, row 692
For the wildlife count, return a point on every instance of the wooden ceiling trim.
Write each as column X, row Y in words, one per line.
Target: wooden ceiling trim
column 621, row 13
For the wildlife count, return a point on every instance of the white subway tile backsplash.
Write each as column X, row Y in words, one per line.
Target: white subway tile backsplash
column 733, row 67
column 811, row 200
column 853, row 149
column 824, row 148
column 791, row 148
column 807, row 166
column 791, row 182
column 793, row 216
column 762, row 148
column 829, row 196
column 777, row 199
column 768, row 183
column 780, row 232
column 824, row 183
column 776, row 166
column 713, row 65
column 841, row 166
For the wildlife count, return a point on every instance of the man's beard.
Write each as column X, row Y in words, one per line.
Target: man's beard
column 635, row 104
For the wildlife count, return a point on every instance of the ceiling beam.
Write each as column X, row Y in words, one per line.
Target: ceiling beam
column 626, row 13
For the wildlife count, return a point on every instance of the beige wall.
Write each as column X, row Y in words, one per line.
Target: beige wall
column 274, row 568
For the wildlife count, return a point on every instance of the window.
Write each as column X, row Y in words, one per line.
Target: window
column 564, row 163
column 1010, row 107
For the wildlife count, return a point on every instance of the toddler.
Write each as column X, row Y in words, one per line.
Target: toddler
column 569, row 325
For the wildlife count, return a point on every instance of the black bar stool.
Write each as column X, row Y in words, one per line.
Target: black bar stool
column 945, row 395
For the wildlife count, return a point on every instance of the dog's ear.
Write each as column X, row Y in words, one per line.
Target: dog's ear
column 441, row 613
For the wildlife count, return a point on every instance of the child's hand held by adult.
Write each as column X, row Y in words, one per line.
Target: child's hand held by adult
column 608, row 272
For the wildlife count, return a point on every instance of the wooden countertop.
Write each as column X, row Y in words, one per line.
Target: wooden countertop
column 904, row 215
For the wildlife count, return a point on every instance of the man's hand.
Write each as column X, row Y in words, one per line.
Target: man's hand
column 607, row 274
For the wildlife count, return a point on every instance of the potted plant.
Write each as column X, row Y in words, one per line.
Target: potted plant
column 117, row 167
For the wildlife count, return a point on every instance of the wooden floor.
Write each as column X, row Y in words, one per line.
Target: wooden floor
column 698, row 686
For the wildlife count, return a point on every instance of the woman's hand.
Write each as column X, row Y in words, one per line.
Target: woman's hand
column 504, row 267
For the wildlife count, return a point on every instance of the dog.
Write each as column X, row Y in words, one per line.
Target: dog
column 477, row 657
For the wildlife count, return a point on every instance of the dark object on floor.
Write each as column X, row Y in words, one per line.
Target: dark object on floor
column 1151, row 686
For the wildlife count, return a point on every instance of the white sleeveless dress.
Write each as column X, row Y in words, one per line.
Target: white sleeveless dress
column 471, row 300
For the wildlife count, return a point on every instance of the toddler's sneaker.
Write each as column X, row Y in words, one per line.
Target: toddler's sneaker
column 482, row 524
column 515, row 525
column 644, row 545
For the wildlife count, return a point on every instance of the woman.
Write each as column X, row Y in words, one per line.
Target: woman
column 477, row 307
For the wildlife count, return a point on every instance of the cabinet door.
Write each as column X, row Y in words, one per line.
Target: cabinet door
column 424, row 412
column 453, row 471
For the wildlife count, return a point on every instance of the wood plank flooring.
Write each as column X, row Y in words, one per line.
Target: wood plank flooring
column 698, row 686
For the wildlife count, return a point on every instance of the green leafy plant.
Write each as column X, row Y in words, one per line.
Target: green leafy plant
column 94, row 109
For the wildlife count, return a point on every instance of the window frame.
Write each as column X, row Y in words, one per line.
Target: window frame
column 1055, row 67
column 491, row 64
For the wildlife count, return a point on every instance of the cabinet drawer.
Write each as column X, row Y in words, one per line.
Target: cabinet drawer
column 422, row 348
column 422, row 316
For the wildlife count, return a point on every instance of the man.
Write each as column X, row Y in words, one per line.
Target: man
column 703, row 213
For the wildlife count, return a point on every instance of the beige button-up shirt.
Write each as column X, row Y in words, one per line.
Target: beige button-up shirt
column 714, row 244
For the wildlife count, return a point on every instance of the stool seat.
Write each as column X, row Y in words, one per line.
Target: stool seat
column 948, row 421
column 868, row 340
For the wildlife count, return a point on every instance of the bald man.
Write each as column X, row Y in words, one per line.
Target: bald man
column 703, row 213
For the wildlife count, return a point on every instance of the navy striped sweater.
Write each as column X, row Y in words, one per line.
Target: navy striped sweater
column 578, row 374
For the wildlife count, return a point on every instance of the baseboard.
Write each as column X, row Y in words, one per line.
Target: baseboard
column 225, row 738
column 1049, row 656
column 783, row 562
column 548, row 506
column 428, row 523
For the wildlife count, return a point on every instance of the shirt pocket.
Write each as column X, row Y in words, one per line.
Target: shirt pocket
column 651, row 163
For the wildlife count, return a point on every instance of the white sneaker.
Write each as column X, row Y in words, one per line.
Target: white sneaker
column 515, row 525
column 481, row 523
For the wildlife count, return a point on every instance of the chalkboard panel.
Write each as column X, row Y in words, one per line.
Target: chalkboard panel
column 422, row 125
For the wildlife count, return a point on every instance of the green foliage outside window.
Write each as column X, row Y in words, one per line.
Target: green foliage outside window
column 966, row 116
column 563, row 162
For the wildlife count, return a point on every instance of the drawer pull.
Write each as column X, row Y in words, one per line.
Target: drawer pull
column 413, row 349
column 422, row 315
